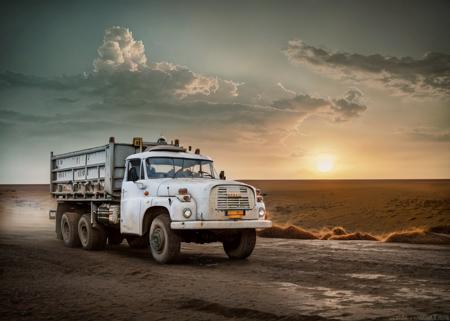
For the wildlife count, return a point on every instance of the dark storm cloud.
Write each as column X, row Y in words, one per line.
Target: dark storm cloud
column 340, row 109
column 424, row 77
column 158, row 83
column 122, row 69
column 126, row 89
column 9, row 79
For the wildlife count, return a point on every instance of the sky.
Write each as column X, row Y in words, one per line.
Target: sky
column 268, row 89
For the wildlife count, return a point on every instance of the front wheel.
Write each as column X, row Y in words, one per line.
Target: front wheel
column 164, row 242
column 241, row 246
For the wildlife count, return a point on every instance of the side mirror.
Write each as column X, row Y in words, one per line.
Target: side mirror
column 222, row 175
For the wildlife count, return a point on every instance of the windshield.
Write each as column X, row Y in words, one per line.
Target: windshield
column 167, row 167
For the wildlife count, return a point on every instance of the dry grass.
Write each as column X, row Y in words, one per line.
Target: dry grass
column 289, row 232
column 420, row 236
column 339, row 230
column 433, row 235
column 326, row 236
column 339, row 233
column 354, row 236
column 295, row 232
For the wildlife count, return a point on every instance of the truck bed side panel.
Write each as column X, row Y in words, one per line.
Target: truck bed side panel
column 89, row 174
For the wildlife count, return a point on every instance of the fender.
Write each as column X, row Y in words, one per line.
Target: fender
column 173, row 206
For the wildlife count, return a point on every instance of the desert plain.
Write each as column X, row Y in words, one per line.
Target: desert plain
column 284, row 279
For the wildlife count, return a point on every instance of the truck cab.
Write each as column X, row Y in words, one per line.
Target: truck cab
column 201, row 206
column 171, row 195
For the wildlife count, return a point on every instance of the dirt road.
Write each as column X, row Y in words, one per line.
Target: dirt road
column 282, row 280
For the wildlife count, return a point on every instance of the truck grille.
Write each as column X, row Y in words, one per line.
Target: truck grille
column 233, row 197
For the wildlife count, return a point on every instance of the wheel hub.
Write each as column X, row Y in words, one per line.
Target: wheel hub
column 84, row 234
column 65, row 229
column 157, row 240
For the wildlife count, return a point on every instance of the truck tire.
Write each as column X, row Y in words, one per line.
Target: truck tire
column 164, row 242
column 92, row 238
column 138, row 242
column 69, row 229
column 58, row 228
column 242, row 246
column 114, row 237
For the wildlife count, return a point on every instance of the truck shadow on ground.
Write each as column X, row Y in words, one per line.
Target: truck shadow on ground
column 190, row 258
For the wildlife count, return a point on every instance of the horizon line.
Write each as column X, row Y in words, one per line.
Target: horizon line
column 298, row 179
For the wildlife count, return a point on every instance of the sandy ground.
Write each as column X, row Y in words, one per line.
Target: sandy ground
column 373, row 206
column 283, row 280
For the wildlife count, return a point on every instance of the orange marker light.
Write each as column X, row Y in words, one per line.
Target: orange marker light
column 146, row 193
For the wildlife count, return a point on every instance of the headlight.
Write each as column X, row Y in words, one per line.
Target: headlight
column 187, row 213
column 261, row 212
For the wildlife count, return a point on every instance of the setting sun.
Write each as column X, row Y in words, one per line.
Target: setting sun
column 325, row 163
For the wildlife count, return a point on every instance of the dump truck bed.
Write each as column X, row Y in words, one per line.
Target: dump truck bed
column 89, row 174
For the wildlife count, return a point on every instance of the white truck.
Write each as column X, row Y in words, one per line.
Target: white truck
column 154, row 195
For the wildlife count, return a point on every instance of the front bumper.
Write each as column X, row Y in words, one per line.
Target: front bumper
column 210, row 225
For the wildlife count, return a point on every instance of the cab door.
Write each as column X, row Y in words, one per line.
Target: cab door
column 130, row 207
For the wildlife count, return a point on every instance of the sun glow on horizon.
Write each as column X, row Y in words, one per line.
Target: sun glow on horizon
column 324, row 163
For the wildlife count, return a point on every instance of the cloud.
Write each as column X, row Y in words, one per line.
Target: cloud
column 429, row 134
column 120, row 51
column 344, row 108
column 428, row 76
column 349, row 106
column 9, row 79
column 286, row 90
column 125, row 89
column 122, row 69
column 126, row 94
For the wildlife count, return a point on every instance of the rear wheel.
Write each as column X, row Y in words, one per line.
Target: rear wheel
column 242, row 245
column 69, row 229
column 92, row 238
column 164, row 242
